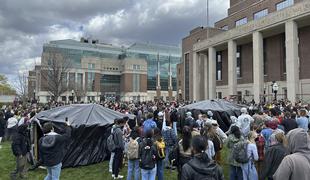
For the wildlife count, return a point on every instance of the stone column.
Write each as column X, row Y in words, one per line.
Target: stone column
column 212, row 73
column 232, row 67
column 194, row 80
column 258, row 66
column 292, row 60
column 205, row 77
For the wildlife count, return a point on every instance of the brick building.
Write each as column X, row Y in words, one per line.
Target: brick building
column 98, row 71
column 260, row 41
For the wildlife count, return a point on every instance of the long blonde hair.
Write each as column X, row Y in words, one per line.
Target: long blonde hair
column 252, row 136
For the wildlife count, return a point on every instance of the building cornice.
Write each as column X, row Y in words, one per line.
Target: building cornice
column 299, row 10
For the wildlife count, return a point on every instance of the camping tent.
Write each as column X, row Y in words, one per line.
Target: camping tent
column 221, row 109
column 91, row 125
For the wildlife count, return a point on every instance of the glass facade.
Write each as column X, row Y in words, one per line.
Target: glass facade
column 284, row 4
column 167, row 56
column 110, row 83
column 241, row 21
column 261, row 14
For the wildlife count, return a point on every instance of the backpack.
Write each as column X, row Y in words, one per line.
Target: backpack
column 147, row 157
column 133, row 149
column 240, row 152
column 110, row 142
column 160, row 146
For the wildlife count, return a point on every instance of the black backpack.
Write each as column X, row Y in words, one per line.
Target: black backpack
column 147, row 157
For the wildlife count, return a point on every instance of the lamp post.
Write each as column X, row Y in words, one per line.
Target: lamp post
column 275, row 89
column 72, row 93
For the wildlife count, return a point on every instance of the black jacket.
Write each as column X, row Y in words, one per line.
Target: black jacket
column 20, row 144
column 52, row 148
column 289, row 124
column 273, row 157
column 2, row 126
column 201, row 169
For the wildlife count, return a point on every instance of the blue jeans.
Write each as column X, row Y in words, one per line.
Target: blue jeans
column 148, row 174
column 235, row 173
column 167, row 152
column 160, row 169
column 174, row 125
column 53, row 172
column 133, row 169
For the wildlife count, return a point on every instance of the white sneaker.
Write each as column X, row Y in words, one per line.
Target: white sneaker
column 110, row 170
column 119, row 177
column 113, row 176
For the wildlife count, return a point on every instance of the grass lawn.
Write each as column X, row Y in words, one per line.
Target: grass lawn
column 91, row 172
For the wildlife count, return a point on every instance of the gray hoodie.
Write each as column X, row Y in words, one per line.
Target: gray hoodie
column 296, row 165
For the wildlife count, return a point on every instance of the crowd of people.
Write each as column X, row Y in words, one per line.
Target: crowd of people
column 266, row 141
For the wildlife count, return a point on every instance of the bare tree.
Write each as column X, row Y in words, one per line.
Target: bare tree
column 21, row 86
column 54, row 69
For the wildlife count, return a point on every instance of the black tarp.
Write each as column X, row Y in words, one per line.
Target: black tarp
column 221, row 109
column 91, row 125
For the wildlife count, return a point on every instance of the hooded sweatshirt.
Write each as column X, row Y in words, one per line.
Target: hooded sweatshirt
column 297, row 164
column 199, row 168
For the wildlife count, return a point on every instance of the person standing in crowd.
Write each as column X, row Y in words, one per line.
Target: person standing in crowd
column 216, row 141
column 160, row 147
column 119, row 148
column 12, row 126
column 248, row 169
column 201, row 167
column 2, row 127
column 20, row 148
column 296, row 165
column 147, row 154
column 267, row 131
column 260, row 144
column 170, row 139
column 274, row 155
column 112, row 153
column 174, row 117
column 289, row 122
column 200, row 121
column 303, row 121
column 52, row 149
column 235, row 171
column 244, row 121
column 133, row 155
column 149, row 124
column 184, row 149
column 210, row 146
column 189, row 120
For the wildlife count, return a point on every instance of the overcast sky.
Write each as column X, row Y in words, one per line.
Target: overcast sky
column 26, row 24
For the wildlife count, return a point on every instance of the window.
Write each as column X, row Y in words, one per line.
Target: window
column 91, row 66
column 71, row 81
column 242, row 21
column 224, row 27
column 284, row 4
column 260, row 14
column 219, row 66
column 136, row 67
column 239, row 72
column 186, row 58
column 79, row 81
column 90, row 81
column 219, row 95
column 136, row 83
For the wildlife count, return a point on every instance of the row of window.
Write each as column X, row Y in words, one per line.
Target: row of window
column 262, row 13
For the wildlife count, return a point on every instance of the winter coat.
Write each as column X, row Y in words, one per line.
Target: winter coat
column 296, row 165
column 273, row 157
column 20, row 143
column 52, row 147
column 200, row 169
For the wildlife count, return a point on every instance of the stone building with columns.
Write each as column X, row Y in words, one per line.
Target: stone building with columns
column 260, row 41
column 99, row 71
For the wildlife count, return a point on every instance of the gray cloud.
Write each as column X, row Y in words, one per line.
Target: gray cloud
column 26, row 25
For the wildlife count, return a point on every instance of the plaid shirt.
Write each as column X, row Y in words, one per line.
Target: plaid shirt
column 169, row 136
